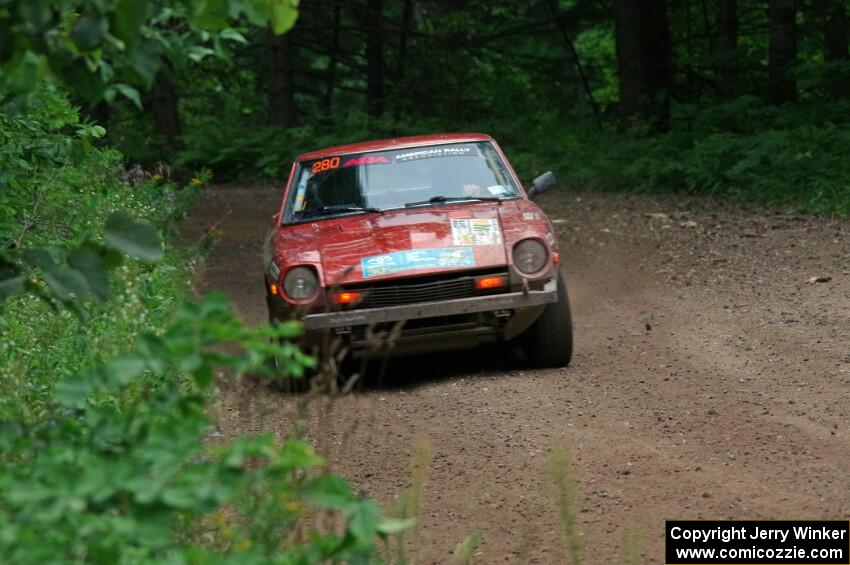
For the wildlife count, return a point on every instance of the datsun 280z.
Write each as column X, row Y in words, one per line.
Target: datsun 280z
column 430, row 241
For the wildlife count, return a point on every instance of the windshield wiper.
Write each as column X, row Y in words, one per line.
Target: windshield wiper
column 326, row 210
column 440, row 199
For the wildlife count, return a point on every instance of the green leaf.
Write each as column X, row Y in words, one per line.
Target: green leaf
column 212, row 15
column 130, row 93
column 283, row 16
column 91, row 265
column 122, row 370
column 182, row 497
column 39, row 258
column 36, row 12
column 9, row 286
column 258, row 12
column 146, row 59
column 137, row 239
column 288, row 329
column 127, row 21
column 389, row 526
column 71, row 391
column 363, row 517
column 65, row 283
column 298, row 455
column 83, row 80
column 231, row 34
column 90, row 32
column 198, row 52
column 328, row 491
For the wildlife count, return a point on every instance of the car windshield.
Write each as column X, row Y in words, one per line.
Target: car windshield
column 381, row 180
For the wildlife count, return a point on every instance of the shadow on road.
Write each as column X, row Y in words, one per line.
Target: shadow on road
column 412, row 372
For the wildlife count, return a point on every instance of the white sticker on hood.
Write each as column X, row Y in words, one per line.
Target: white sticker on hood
column 474, row 231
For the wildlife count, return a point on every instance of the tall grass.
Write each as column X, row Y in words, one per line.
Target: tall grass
column 563, row 480
column 408, row 543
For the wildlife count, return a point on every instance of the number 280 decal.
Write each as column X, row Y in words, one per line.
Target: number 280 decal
column 350, row 161
column 325, row 165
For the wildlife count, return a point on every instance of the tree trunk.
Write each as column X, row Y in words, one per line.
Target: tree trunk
column 554, row 9
column 334, row 48
column 400, row 67
column 406, row 14
column 782, row 51
column 280, row 92
column 835, row 45
column 374, row 59
column 727, row 47
column 165, row 113
column 643, row 59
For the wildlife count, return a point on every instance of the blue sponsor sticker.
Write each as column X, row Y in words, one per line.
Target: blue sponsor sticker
column 401, row 261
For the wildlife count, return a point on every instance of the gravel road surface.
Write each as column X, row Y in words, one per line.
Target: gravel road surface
column 711, row 380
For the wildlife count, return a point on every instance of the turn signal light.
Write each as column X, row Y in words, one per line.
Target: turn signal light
column 486, row 283
column 347, row 297
column 273, row 289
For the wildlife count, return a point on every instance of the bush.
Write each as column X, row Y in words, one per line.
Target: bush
column 790, row 156
column 108, row 372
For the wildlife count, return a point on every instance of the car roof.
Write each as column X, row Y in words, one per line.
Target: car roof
column 394, row 143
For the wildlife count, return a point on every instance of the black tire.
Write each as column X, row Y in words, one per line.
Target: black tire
column 549, row 341
column 288, row 385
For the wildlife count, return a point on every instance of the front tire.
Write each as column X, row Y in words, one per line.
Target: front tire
column 288, row 385
column 548, row 343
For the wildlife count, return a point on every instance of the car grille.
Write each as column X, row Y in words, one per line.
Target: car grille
column 414, row 291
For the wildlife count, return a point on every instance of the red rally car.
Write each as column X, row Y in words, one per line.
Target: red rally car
column 430, row 241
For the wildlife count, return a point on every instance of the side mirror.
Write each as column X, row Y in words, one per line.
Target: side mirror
column 543, row 183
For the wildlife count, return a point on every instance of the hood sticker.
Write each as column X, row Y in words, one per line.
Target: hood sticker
column 475, row 231
column 415, row 259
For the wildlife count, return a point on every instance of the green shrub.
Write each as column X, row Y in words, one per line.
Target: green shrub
column 791, row 156
column 107, row 373
column 116, row 470
column 60, row 189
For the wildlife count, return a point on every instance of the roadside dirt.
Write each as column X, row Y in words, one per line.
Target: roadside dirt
column 734, row 405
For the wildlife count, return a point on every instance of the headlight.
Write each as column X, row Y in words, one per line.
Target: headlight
column 530, row 256
column 300, row 283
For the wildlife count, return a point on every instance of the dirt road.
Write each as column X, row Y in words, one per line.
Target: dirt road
column 710, row 380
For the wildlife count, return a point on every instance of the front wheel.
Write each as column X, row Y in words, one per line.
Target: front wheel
column 289, row 385
column 549, row 341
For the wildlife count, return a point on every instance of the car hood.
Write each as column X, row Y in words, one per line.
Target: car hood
column 367, row 247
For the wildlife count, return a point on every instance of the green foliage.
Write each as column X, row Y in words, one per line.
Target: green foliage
column 104, row 451
column 744, row 150
column 96, row 47
column 268, row 151
column 119, row 466
column 56, row 186
column 506, row 69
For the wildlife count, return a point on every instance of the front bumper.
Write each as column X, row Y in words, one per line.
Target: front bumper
column 370, row 316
